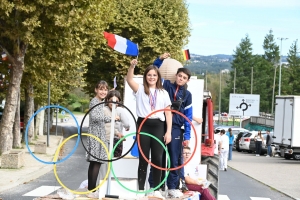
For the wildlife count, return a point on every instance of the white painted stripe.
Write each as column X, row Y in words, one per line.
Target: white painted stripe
column 259, row 198
column 42, row 191
column 223, row 197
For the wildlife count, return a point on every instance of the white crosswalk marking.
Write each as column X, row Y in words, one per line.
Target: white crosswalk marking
column 223, row 197
column 42, row 191
column 259, row 198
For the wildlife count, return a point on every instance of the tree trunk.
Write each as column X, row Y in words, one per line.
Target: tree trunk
column 16, row 129
column 8, row 117
column 39, row 119
column 29, row 109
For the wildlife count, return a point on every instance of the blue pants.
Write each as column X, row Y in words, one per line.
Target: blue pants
column 175, row 152
column 269, row 150
column 230, row 152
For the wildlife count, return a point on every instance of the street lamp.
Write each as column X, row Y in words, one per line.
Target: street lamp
column 279, row 86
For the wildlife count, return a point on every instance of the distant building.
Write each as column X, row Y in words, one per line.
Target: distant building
column 225, row 71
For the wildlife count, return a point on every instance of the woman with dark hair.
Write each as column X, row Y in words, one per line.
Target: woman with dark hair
column 258, row 142
column 150, row 97
column 97, row 128
column 120, row 122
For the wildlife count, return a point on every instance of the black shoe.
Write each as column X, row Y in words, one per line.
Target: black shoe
column 183, row 186
column 225, row 169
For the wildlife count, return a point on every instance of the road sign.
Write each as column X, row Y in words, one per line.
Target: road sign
column 63, row 112
column 244, row 104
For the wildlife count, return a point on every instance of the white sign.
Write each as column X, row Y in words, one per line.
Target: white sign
column 244, row 104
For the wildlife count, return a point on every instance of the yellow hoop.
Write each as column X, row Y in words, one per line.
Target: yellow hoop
column 56, row 156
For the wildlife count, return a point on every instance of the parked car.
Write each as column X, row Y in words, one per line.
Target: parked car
column 245, row 141
column 235, row 131
column 238, row 139
column 264, row 150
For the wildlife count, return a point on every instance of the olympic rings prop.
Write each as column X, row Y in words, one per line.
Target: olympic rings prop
column 27, row 127
column 169, row 163
column 56, row 156
column 139, row 145
column 104, row 102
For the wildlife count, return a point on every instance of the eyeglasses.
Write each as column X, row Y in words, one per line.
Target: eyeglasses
column 186, row 153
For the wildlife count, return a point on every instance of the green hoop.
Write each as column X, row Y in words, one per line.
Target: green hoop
column 167, row 173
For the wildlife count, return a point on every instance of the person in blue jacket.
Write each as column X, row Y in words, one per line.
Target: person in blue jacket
column 231, row 140
column 177, row 91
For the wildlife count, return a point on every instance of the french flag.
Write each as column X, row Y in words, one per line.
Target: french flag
column 121, row 44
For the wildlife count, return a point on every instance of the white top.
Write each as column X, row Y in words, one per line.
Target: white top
column 143, row 107
column 225, row 142
column 217, row 138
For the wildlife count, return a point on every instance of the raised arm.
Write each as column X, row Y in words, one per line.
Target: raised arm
column 159, row 60
column 133, row 85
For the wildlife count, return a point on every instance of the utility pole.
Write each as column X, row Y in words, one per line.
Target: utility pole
column 206, row 80
column 251, row 79
column 220, row 98
column 234, row 80
column 274, row 81
column 234, row 89
column 279, row 86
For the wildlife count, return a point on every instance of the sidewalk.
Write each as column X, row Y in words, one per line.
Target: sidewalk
column 276, row 172
column 32, row 168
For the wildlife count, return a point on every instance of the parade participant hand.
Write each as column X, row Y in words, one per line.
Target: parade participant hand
column 120, row 135
column 133, row 63
column 164, row 56
column 186, row 143
column 117, row 118
column 167, row 138
column 198, row 120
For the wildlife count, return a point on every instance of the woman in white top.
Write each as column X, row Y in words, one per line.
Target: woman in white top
column 150, row 97
column 258, row 142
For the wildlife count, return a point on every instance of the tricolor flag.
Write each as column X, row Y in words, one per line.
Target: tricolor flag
column 4, row 56
column 115, row 82
column 121, row 44
column 186, row 54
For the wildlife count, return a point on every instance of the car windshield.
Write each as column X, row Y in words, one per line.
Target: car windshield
column 248, row 135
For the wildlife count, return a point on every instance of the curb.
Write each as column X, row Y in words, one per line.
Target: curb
column 31, row 176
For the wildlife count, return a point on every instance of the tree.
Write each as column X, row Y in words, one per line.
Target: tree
column 57, row 35
column 156, row 26
column 242, row 62
column 294, row 69
column 272, row 56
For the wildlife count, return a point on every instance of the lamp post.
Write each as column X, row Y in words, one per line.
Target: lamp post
column 279, row 85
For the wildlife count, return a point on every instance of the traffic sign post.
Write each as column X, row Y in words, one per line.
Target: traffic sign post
column 244, row 105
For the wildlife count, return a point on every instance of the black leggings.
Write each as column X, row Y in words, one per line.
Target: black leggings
column 93, row 172
column 154, row 127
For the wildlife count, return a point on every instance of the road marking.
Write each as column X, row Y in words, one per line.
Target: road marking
column 259, row 198
column 42, row 191
column 223, row 197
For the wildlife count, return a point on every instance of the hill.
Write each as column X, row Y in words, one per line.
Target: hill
column 199, row 64
column 213, row 64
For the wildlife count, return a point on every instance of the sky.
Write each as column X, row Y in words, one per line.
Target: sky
column 218, row 26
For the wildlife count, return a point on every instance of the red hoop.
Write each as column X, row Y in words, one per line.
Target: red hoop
column 142, row 153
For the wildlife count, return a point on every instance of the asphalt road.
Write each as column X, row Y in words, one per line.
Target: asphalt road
column 73, row 171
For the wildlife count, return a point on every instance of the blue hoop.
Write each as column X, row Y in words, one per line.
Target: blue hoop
column 26, row 134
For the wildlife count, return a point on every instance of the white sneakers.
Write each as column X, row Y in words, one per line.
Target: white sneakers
column 257, row 155
column 174, row 193
column 93, row 195
column 140, row 195
column 267, row 156
column 155, row 194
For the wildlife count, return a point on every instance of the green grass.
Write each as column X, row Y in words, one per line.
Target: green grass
column 60, row 116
